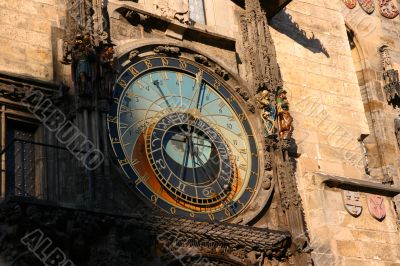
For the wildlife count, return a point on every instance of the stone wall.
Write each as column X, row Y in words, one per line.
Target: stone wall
column 27, row 36
column 330, row 107
column 319, row 75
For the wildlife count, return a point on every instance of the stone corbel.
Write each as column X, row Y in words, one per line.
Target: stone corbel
column 358, row 185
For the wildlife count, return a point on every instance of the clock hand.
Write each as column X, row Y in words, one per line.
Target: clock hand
column 200, row 99
column 206, row 172
column 204, row 169
column 196, row 88
column 157, row 84
column 191, row 149
column 185, row 159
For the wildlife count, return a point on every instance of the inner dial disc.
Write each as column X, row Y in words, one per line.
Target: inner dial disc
column 191, row 159
column 183, row 139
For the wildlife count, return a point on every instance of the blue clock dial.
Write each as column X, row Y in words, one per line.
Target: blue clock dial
column 182, row 139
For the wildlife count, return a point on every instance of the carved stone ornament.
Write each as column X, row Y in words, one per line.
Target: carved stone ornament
column 166, row 49
column 266, row 182
column 350, row 3
column 367, row 5
column 201, row 59
column 396, row 202
column 388, row 9
column 133, row 54
column 352, row 202
column 222, row 73
column 173, row 9
column 244, row 94
column 376, row 206
column 146, row 237
column 390, row 75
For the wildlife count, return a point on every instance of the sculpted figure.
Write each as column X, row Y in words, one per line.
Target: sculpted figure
column 285, row 120
column 285, row 125
column 268, row 112
column 174, row 9
column 82, row 55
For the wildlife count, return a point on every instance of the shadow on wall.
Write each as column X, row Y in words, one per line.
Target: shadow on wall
column 283, row 23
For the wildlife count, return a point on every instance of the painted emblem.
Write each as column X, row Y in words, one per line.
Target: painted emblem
column 367, row 5
column 352, row 202
column 376, row 206
column 350, row 3
column 388, row 8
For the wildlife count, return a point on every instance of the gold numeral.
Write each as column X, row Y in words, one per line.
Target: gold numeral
column 165, row 75
column 241, row 117
column 112, row 119
column 183, row 64
column 123, row 162
column 228, row 213
column 216, row 84
column 122, row 83
column 133, row 71
column 191, row 214
column 140, row 84
column 173, row 210
column 164, row 61
column 211, row 215
column 181, row 186
column 250, row 189
column 148, row 63
column 179, row 77
column 154, row 198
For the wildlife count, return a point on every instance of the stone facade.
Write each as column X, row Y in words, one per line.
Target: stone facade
column 328, row 57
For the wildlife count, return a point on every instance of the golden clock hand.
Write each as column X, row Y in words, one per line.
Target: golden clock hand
column 196, row 88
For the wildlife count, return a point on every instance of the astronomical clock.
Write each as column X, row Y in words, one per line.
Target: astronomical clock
column 186, row 136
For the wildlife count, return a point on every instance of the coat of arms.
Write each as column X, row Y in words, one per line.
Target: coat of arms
column 367, row 5
column 352, row 202
column 350, row 3
column 376, row 206
column 388, row 8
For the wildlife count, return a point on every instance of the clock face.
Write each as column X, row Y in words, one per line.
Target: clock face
column 183, row 139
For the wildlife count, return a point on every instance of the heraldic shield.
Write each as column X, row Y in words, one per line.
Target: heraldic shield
column 350, row 3
column 367, row 5
column 376, row 206
column 388, row 9
column 352, row 202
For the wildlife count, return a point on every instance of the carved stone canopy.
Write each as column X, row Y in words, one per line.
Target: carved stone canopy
column 90, row 237
column 390, row 76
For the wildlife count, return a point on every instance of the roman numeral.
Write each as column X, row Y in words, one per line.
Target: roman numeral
column 133, row 71
column 122, row 83
column 164, row 61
